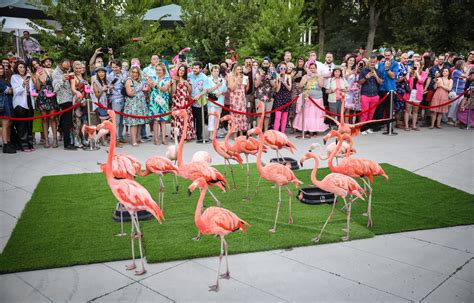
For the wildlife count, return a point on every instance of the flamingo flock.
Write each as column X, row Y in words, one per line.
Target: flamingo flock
column 121, row 169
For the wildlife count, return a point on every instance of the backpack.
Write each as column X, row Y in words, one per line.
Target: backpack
column 124, row 90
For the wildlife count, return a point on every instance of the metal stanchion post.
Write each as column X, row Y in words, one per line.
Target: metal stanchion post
column 390, row 131
column 303, row 130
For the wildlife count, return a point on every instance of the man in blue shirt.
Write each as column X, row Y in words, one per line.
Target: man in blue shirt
column 388, row 69
column 200, row 84
column 369, row 80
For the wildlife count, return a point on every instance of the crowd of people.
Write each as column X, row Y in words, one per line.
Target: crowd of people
column 297, row 92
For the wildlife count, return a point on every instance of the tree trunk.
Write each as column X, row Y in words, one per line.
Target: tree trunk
column 321, row 29
column 374, row 15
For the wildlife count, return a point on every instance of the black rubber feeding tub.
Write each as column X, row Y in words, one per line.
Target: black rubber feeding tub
column 315, row 195
column 142, row 214
column 290, row 162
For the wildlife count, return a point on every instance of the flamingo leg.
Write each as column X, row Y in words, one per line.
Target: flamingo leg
column 232, row 173
column 225, row 167
column 162, row 191
column 348, row 219
column 175, row 182
column 246, row 198
column 369, row 204
column 216, row 286
column 139, row 233
column 277, row 211
column 132, row 236
column 226, row 275
column 120, row 208
column 218, row 203
column 258, row 186
column 290, row 216
column 318, row 237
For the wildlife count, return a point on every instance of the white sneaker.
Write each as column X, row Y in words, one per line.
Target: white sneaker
column 369, row 131
column 364, row 133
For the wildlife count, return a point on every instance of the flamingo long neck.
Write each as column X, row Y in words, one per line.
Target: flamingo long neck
column 315, row 170
column 198, row 212
column 343, row 106
column 262, row 118
column 349, row 138
column 260, row 150
column 214, row 135
column 334, row 152
column 181, row 141
column 233, row 127
column 108, row 166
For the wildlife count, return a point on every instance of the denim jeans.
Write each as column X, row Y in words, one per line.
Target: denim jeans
column 118, row 105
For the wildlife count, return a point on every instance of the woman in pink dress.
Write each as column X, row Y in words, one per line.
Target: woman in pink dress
column 238, row 84
column 313, row 116
column 443, row 87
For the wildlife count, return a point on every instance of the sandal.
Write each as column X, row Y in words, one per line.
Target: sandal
column 407, row 129
column 164, row 142
column 416, row 128
column 439, row 127
column 134, row 144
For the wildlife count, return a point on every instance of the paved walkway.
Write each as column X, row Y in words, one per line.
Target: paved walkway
column 429, row 266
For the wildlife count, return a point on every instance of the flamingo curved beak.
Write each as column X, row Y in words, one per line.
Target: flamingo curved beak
column 189, row 192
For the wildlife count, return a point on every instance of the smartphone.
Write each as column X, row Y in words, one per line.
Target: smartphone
column 104, row 49
column 245, row 80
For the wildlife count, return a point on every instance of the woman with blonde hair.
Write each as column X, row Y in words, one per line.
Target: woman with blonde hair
column 78, row 83
column 159, row 100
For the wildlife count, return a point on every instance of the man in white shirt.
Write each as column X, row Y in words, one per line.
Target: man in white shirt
column 30, row 46
column 325, row 71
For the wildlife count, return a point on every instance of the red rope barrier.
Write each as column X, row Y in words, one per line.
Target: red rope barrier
column 145, row 117
column 43, row 116
column 254, row 114
column 349, row 115
column 435, row 106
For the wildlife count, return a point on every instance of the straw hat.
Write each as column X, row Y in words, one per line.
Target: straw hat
column 46, row 57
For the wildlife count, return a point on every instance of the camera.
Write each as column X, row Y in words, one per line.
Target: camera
column 104, row 49
column 114, row 81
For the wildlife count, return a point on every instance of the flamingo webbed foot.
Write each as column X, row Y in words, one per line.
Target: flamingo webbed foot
column 246, row 199
column 272, row 230
column 140, row 272
column 290, row 220
column 214, row 288
column 225, row 276
column 365, row 214
column 369, row 223
column 131, row 266
column 316, row 239
column 121, row 234
column 197, row 238
column 345, row 238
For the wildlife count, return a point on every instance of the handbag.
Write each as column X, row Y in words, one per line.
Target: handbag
column 452, row 94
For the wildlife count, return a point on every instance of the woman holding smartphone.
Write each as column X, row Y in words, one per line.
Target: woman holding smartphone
column 282, row 97
column 23, row 105
column 416, row 81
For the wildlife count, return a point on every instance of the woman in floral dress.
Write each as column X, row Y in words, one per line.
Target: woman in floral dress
column 237, row 88
column 181, row 88
column 80, row 113
column 135, row 104
column 159, row 101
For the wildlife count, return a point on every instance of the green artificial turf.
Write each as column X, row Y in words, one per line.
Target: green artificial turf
column 68, row 220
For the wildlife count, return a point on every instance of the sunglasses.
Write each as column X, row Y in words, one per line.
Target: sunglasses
column 282, row 68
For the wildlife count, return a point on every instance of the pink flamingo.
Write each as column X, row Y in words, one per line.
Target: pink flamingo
column 223, row 151
column 356, row 168
column 130, row 193
column 274, row 139
column 216, row 221
column 159, row 165
column 338, row 184
column 91, row 133
column 276, row 173
column 194, row 170
column 243, row 145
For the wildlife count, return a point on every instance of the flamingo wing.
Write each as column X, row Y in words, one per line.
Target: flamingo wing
column 221, row 220
column 135, row 197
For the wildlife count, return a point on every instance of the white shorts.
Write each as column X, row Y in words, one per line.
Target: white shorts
column 413, row 96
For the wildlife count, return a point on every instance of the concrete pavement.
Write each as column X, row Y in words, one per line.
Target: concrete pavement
column 428, row 266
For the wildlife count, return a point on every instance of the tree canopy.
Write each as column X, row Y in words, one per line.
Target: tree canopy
column 257, row 27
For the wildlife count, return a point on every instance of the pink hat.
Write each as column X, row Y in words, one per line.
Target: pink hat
column 426, row 54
